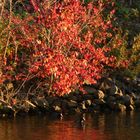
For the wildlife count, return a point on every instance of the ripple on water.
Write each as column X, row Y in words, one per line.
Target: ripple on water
column 105, row 126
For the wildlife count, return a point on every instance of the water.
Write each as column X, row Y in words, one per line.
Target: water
column 107, row 126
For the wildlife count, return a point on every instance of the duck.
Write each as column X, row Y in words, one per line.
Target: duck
column 82, row 119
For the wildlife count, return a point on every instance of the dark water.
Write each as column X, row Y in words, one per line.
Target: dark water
column 109, row 126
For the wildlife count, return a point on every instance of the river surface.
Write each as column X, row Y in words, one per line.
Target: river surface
column 106, row 126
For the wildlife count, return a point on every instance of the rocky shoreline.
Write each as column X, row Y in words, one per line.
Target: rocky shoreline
column 107, row 95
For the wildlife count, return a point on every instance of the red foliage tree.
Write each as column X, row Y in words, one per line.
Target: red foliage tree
column 66, row 44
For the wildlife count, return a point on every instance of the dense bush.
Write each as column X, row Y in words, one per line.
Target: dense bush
column 58, row 45
column 134, row 57
column 128, row 16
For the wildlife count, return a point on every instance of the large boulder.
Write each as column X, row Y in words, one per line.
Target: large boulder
column 137, row 103
column 72, row 104
column 57, row 108
column 51, row 99
column 110, row 99
column 6, row 109
column 120, row 107
column 128, row 100
column 90, row 90
column 105, row 84
column 97, row 94
column 133, row 95
column 41, row 103
column 88, row 102
column 130, row 108
column 115, row 91
column 74, row 97
column 83, row 105
column 64, row 106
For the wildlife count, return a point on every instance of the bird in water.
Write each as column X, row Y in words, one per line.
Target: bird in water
column 80, row 120
column 61, row 116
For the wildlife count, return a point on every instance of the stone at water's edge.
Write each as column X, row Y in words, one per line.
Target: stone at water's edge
column 110, row 95
column 97, row 94
column 43, row 103
column 128, row 100
column 137, row 103
column 120, row 107
column 130, row 107
column 6, row 110
column 88, row 102
column 83, row 106
column 72, row 104
column 57, row 108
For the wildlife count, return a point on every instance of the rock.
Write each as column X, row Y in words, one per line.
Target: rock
column 128, row 100
column 130, row 108
column 93, row 93
column 56, row 105
column 88, row 103
column 57, row 108
column 64, row 106
column 33, row 111
column 80, row 97
column 111, row 105
column 57, row 102
column 43, row 103
column 99, row 101
column 72, row 97
column 120, row 107
column 7, row 110
column 21, row 109
column 50, row 100
column 83, row 106
column 137, row 103
column 110, row 99
column 106, row 83
column 90, row 90
column 119, row 93
column 133, row 95
column 72, row 104
column 78, row 110
column 88, row 96
column 115, row 106
column 56, row 115
column 118, row 97
column 100, row 95
column 21, row 112
column 113, row 90
column 95, row 107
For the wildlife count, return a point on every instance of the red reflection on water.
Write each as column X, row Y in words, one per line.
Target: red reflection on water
column 66, row 130
column 97, row 127
column 43, row 129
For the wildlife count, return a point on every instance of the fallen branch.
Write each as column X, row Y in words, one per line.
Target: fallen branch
column 31, row 104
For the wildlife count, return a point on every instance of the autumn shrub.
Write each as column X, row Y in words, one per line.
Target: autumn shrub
column 59, row 46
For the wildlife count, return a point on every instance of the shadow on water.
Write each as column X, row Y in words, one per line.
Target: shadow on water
column 107, row 126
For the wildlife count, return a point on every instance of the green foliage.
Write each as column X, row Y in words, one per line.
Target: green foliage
column 126, row 12
column 135, row 56
column 128, row 17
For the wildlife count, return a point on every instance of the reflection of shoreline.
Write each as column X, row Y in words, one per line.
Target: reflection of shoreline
column 97, row 126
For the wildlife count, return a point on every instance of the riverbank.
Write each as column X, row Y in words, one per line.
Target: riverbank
column 44, row 59
column 107, row 95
